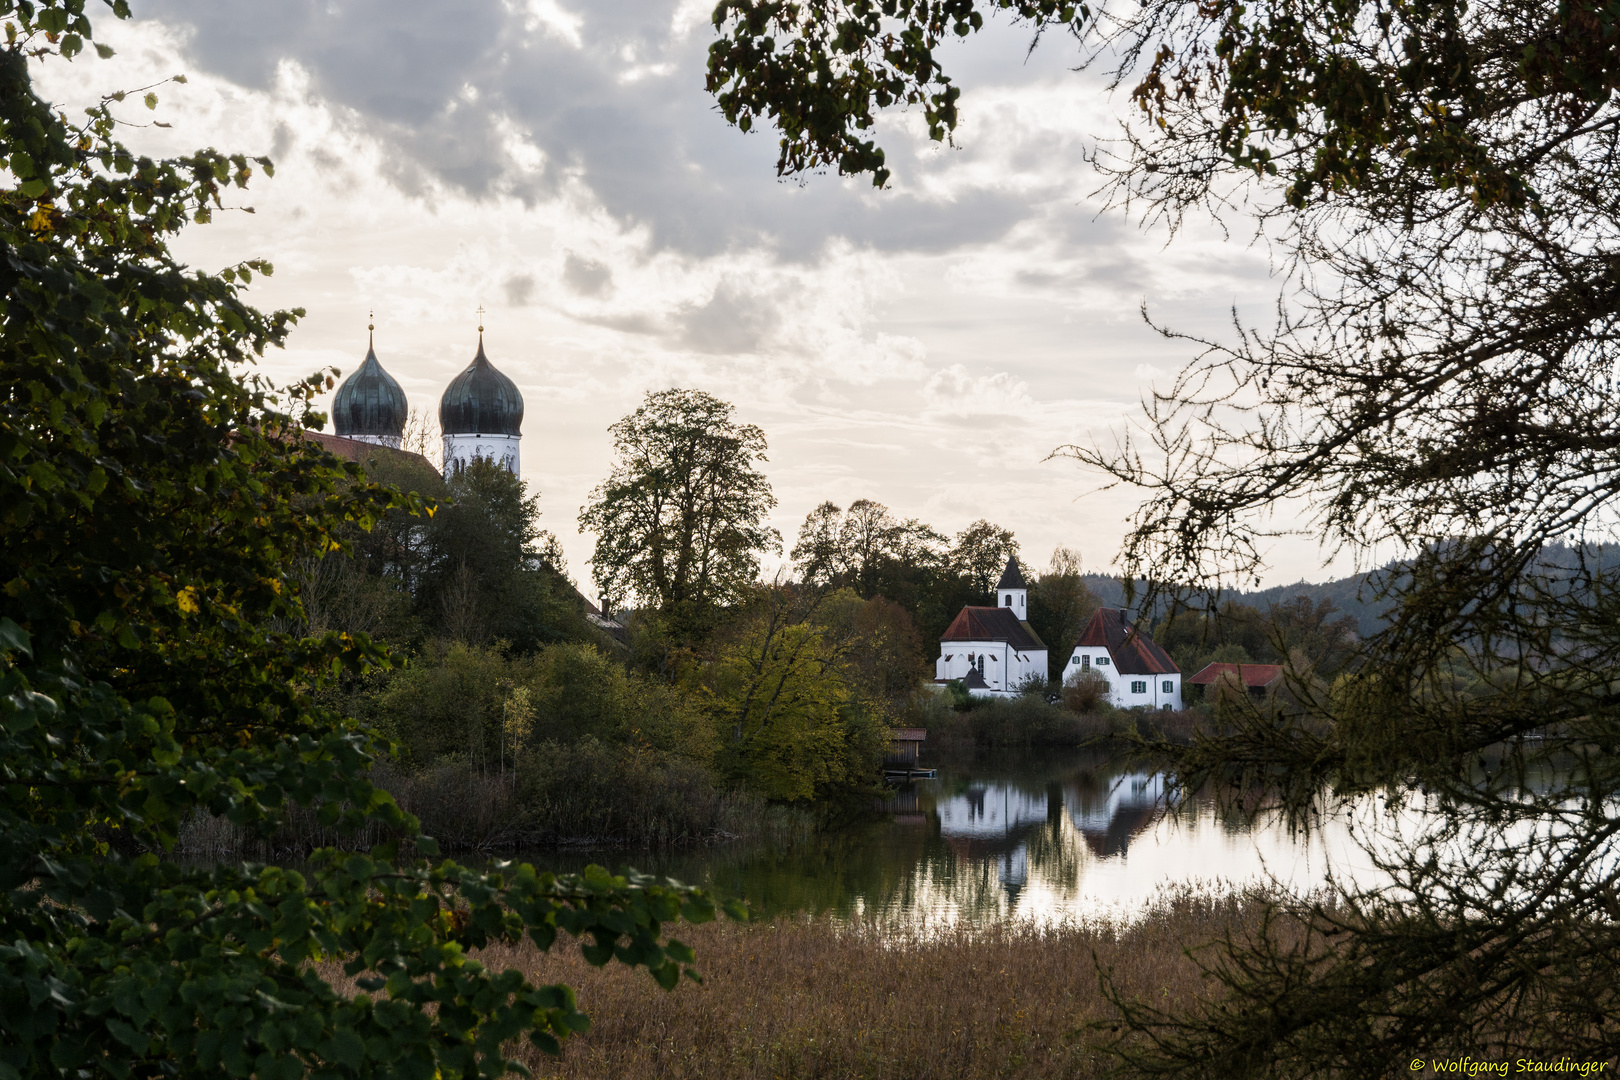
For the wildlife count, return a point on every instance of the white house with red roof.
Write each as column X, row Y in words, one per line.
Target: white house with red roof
column 994, row 650
column 1138, row 672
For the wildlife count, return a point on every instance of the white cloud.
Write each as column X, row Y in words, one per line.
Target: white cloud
column 550, row 17
column 927, row 346
column 952, row 392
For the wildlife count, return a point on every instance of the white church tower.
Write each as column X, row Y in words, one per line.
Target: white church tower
column 1011, row 592
column 481, row 415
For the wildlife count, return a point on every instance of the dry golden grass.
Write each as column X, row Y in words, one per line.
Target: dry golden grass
column 804, row 998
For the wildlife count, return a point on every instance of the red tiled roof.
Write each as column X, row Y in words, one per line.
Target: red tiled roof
column 992, row 624
column 358, row 449
column 1134, row 652
column 1255, row 676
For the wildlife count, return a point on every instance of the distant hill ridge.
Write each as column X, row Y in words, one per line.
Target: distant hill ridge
column 1354, row 595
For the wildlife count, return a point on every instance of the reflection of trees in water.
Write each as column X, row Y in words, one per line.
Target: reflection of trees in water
column 976, row 844
column 970, row 843
column 1056, row 852
column 868, row 868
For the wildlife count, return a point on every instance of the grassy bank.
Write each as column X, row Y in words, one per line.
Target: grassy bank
column 811, row 999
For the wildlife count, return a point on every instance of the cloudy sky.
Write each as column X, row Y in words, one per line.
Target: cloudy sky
column 558, row 163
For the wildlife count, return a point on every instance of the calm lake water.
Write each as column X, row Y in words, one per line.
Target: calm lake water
column 1040, row 837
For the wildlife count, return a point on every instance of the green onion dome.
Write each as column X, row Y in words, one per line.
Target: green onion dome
column 481, row 401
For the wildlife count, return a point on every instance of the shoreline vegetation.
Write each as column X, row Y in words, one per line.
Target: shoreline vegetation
column 589, row 795
column 598, row 794
column 1031, row 721
column 515, row 723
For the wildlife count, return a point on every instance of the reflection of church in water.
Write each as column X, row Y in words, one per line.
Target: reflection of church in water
column 996, row 823
column 480, row 412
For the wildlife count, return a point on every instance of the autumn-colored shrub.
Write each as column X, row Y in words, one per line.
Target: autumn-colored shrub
column 1085, row 694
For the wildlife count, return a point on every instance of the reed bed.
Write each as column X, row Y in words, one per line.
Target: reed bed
column 810, row 998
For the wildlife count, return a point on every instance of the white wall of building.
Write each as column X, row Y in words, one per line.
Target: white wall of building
column 1005, row 668
column 1014, row 600
column 1124, row 691
column 1126, row 792
column 459, row 450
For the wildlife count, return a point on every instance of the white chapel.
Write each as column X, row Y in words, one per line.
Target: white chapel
column 994, row 650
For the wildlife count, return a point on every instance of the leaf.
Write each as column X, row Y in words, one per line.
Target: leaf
column 345, row 1048
column 14, row 638
column 128, row 1035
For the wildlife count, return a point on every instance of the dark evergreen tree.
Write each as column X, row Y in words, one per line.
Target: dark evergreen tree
column 489, row 572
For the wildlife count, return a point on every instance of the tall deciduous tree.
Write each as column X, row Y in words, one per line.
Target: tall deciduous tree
column 680, row 523
column 818, row 554
column 795, row 723
column 980, row 554
column 868, row 537
column 154, row 512
column 1439, row 385
column 866, row 548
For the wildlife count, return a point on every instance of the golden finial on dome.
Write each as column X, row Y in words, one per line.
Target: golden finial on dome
column 480, row 318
